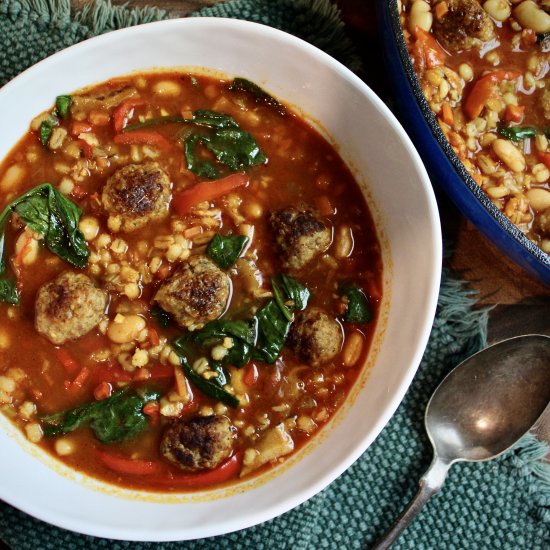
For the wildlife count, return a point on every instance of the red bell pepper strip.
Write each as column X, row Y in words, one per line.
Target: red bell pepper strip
column 207, row 191
column 427, row 49
column 228, row 470
column 142, row 137
column 514, row 113
column 545, row 158
column 123, row 465
column 102, row 391
column 484, row 89
column 250, row 376
column 111, row 374
column 81, row 378
column 123, row 112
column 80, row 128
column 65, row 358
column 162, row 371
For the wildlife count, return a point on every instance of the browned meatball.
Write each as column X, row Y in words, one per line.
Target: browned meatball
column 300, row 236
column 137, row 194
column 196, row 293
column 68, row 307
column 315, row 337
column 463, row 25
column 203, row 442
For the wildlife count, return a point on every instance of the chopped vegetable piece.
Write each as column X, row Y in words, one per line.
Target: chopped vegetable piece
column 62, row 105
column 294, row 291
column 226, row 471
column 168, row 119
column 213, row 119
column 544, row 158
column 132, row 466
column 117, row 418
column 212, row 387
column 260, row 95
column 163, row 319
column 514, row 113
column 517, row 133
column 65, row 358
column 78, row 128
column 358, row 310
column 224, row 250
column 140, row 137
column 207, row 191
column 124, row 111
column 47, row 212
column 46, row 129
column 484, row 89
column 428, row 49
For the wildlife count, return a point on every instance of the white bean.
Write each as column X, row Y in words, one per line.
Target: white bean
column 344, row 242
column 89, row 227
column 167, row 88
column 420, row 16
column 508, row 153
column 13, row 176
column 530, row 16
column 64, row 446
column 26, row 248
column 499, row 10
column 539, row 198
column 353, row 347
column 125, row 328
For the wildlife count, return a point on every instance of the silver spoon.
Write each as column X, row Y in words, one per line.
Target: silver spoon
column 480, row 410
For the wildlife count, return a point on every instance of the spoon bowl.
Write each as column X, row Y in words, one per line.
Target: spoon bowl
column 480, row 410
column 490, row 400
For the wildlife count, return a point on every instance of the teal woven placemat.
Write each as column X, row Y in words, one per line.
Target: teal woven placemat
column 503, row 504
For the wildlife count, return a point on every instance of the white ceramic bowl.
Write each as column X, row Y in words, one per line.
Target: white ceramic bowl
column 401, row 200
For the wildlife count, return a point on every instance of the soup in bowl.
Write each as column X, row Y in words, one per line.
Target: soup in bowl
column 208, row 263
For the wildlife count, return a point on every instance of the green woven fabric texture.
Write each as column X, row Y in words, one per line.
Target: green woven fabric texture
column 503, row 504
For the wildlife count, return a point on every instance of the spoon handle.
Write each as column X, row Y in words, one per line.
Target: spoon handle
column 430, row 483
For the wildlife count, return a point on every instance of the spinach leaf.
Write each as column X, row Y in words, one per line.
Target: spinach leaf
column 242, row 333
column 63, row 104
column 8, row 292
column 213, row 119
column 260, row 95
column 261, row 337
column 293, row 289
column 162, row 318
column 235, row 148
column 46, row 129
column 219, row 329
column 230, row 145
column 273, row 329
column 274, row 319
column 358, row 310
column 224, row 250
column 117, row 418
column 212, row 387
column 203, row 168
column 517, row 133
column 47, row 212
column 168, row 119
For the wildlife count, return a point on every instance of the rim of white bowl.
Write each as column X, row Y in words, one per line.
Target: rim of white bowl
column 286, row 503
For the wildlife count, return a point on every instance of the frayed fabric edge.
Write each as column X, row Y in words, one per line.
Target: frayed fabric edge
column 97, row 17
